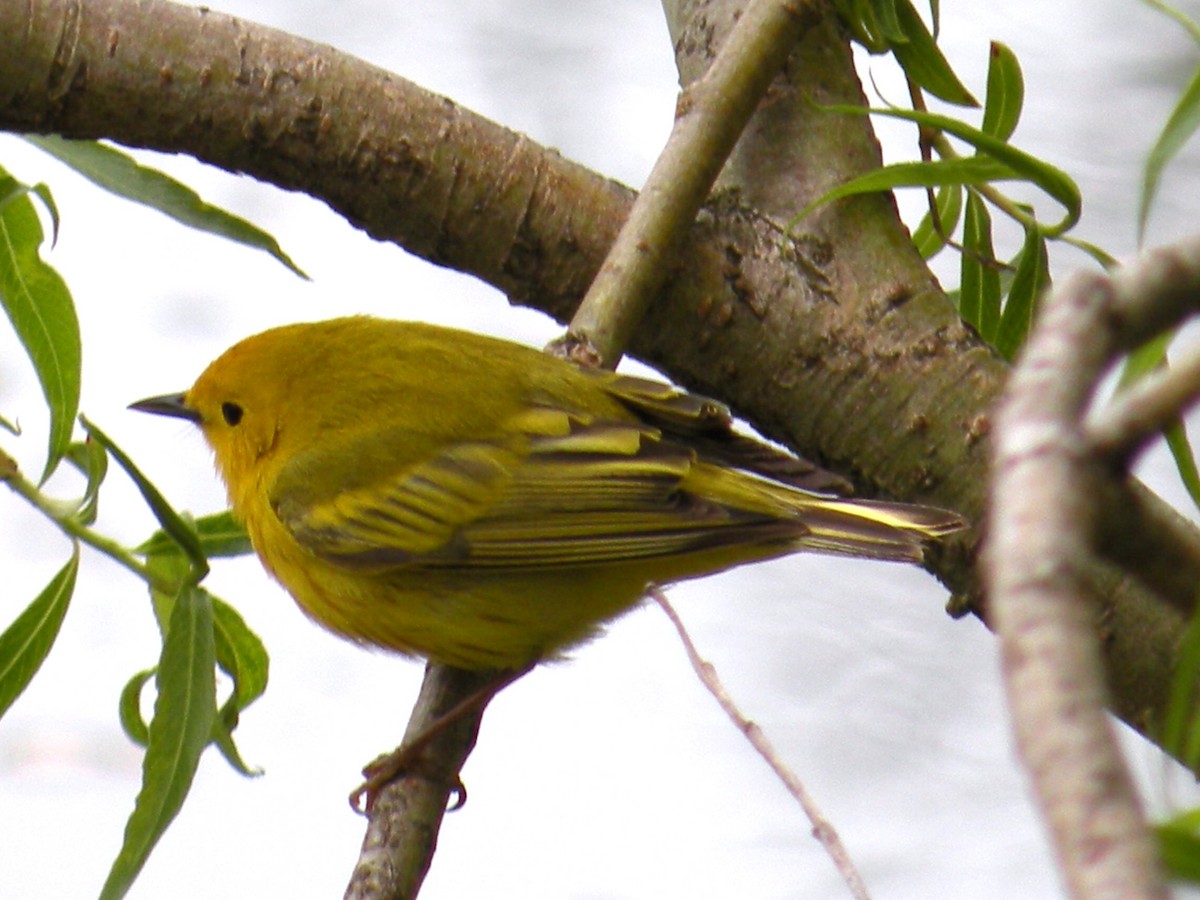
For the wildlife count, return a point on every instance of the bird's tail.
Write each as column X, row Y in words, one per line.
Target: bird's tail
column 873, row 529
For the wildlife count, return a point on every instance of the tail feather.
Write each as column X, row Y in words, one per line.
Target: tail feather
column 873, row 529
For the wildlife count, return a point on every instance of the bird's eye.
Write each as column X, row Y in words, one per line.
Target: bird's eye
column 231, row 412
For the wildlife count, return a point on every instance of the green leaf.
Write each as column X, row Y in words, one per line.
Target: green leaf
column 25, row 644
column 859, row 17
column 1145, row 359
column 923, row 62
column 1030, row 281
column 979, row 283
column 174, row 524
column 242, row 656
column 1179, row 727
column 1179, row 849
column 240, row 653
column 92, row 462
column 130, row 707
column 1150, row 356
column 120, row 174
column 1184, row 21
column 1005, row 93
column 39, row 305
column 935, row 173
column 886, row 21
column 183, row 718
column 1185, row 459
column 1181, row 125
column 11, row 189
column 929, row 238
column 1010, row 162
column 220, row 534
column 171, row 567
column 1103, row 257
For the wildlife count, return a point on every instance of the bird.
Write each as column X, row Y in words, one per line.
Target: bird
column 485, row 505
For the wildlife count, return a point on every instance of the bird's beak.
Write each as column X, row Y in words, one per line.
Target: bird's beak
column 168, row 405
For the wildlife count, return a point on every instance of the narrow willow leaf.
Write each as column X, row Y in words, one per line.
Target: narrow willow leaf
column 183, row 717
column 222, row 739
column 41, row 310
column 1031, row 279
column 169, row 567
column 1106, row 260
column 1150, row 356
column 923, row 62
column 936, row 173
column 929, row 238
column 1179, row 728
column 859, row 17
column 887, row 21
column 1181, row 125
column 25, row 644
column 130, row 707
column 1055, row 182
column 1179, row 851
column 1145, row 359
column 980, row 276
column 92, row 462
column 242, row 656
column 1185, row 459
column 170, row 520
column 1184, row 21
column 11, row 190
column 1005, row 93
column 122, row 175
column 220, row 534
column 240, row 653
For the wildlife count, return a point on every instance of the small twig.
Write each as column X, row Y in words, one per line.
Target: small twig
column 1139, row 414
column 822, row 828
column 64, row 517
column 710, row 116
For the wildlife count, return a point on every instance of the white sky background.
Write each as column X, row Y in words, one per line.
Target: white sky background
column 613, row 776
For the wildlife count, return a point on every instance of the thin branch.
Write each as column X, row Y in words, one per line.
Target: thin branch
column 406, row 814
column 1139, row 414
column 710, row 116
column 63, row 515
column 822, row 828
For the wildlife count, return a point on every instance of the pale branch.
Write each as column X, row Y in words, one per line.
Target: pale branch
column 710, row 115
column 1052, row 463
column 404, row 817
column 1141, row 413
column 822, row 828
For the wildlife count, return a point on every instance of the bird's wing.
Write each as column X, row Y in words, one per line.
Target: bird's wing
column 560, row 490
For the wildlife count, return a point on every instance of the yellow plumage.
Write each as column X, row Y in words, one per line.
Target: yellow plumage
column 480, row 503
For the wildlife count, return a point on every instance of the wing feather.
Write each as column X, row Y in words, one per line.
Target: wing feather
column 584, row 493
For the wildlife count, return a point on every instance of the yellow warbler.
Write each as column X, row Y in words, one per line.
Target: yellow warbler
column 485, row 505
